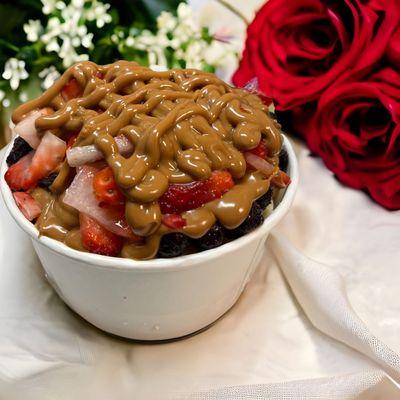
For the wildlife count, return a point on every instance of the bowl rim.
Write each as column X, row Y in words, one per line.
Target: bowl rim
column 156, row 264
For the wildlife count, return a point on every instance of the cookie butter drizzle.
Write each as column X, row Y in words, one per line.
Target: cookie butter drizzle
column 183, row 124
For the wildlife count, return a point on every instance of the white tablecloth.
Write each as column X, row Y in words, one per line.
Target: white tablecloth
column 47, row 352
column 298, row 331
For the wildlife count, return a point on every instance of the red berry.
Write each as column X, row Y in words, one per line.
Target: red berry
column 48, row 156
column 282, row 180
column 106, row 190
column 188, row 196
column 173, row 221
column 71, row 90
column 260, row 151
column 28, row 205
column 19, row 176
column 97, row 239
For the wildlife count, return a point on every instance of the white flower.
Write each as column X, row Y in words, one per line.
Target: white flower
column 87, row 40
column 166, row 21
column 49, row 76
column 23, row 97
column 14, row 71
column 51, row 5
column 130, row 41
column 33, row 29
column 98, row 12
column 6, row 103
column 184, row 11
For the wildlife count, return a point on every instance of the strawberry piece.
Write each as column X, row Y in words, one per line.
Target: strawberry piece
column 260, row 151
column 97, row 239
column 106, row 189
column 219, row 183
column 71, row 90
column 173, row 221
column 27, row 205
column 282, row 180
column 188, row 196
column 19, row 176
column 70, row 138
column 48, row 156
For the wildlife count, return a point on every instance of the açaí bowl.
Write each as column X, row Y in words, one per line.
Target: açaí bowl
column 155, row 299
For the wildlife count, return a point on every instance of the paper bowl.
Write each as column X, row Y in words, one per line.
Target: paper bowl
column 155, row 299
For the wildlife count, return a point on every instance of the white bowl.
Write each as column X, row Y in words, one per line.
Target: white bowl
column 154, row 299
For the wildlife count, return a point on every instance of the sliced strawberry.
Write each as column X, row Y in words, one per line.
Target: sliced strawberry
column 97, row 239
column 106, row 189
column 282, row 180
column 48, row 156
column 183, row 197
column 70, row 138
column 27, row 205
column 219, row 183
column 257, row 163
column 71, row 90
column 260, row 151
column 19, row 175
column 173, row 221
column 80, row 196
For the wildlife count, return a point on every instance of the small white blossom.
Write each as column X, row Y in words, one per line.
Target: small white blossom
column 33, row 29
column 98, row 13
column 6, row 103
column 50, row 6
column 130, row 41
column 184, row 11
column 14, row 71
column 166, row 21
column 49, row 76
column 23, row 96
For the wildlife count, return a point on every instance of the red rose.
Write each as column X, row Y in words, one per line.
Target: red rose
column 297, row 49
column 356, row 131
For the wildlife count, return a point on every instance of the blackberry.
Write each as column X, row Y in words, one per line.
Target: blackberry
column 172, row 245
column 253, row 221
column 48, row 180
column 213, row 238
column 265, row 199
column 20, row 148
column 283, row 160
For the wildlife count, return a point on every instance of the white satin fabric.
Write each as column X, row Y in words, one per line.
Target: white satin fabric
column 319, row 320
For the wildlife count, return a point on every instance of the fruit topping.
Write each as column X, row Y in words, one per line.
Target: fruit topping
column 20, row 148
column 19, row 175
column 253, row 221
column 48, row 156
column 97, row 239
column 282, row 180
column 173, row 245
column 213, row 238
column 27, row 128
column 173, row 221
column 188, row 196
column 71, row 90
column 29, row 207
column 265, row 199
column 81, row 155
column 259, row 163
column 47, row 181
column 106, row 190
column 80, row 195
column 283, row 160
column 260, row 151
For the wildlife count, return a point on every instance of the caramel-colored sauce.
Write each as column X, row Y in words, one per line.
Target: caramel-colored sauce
column 183, row 125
